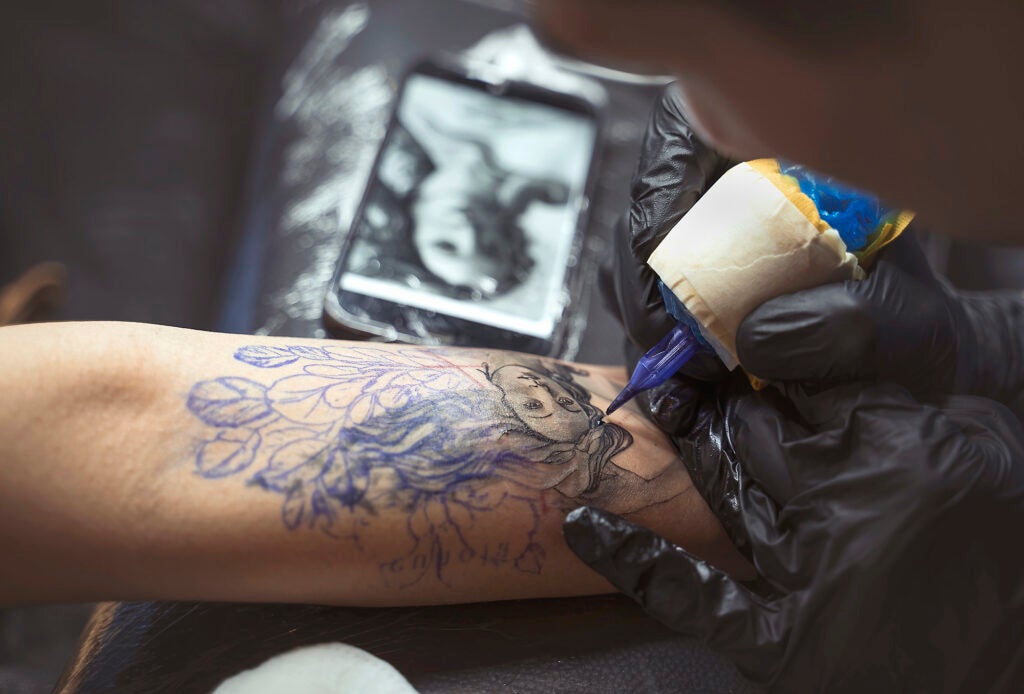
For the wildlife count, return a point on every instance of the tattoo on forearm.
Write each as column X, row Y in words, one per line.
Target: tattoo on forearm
column 344, row 434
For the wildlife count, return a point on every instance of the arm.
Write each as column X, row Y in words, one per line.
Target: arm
column 146, row 462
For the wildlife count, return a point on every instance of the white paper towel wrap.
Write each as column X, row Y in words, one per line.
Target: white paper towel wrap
column 745, row 242
column 328, row 667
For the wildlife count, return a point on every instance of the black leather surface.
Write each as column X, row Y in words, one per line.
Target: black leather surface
column 601, row 644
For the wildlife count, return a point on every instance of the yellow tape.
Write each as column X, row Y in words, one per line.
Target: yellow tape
column 884, row 236
column 790, row 187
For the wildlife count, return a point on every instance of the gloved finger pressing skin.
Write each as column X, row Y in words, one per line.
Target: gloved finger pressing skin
column 782, row 525
column 677, row 589
column 673, row 406
column 899, row 324
column 887, row 565
column 695, row 416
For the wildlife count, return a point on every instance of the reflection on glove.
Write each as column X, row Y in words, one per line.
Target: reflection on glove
column 696, row 416
column 901, row 324
column 674, row 171
column 887, row 530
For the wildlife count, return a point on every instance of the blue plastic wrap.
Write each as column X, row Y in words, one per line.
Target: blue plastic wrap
column 677, row 310
column 854, row 214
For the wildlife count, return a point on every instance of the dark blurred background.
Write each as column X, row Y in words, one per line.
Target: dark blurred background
column 127, row 127
column 192, row 163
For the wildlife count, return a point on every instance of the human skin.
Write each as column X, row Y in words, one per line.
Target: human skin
column 142, row 462
column 924, row 109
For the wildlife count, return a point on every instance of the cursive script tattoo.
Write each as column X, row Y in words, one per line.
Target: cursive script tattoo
column 345, row 434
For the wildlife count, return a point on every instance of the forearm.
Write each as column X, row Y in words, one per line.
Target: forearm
column 143, row 462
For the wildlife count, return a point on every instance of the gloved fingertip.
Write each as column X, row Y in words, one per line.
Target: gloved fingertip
column 619, row 550
column 591, row 533
column 826, row 334
column 581, row 516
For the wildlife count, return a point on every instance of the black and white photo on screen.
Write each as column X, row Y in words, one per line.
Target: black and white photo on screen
column 473, row 208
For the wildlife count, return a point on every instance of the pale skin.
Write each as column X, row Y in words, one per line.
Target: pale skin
column 141, row 462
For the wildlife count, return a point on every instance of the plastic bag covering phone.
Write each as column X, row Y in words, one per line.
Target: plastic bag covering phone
column 497, row 294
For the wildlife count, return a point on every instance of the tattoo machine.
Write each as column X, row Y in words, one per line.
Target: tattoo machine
column 795, row 230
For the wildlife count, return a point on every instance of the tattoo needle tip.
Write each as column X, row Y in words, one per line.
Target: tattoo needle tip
column 659, row 364
column 621, row 399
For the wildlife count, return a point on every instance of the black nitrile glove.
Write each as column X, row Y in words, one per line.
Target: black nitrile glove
column 901, row 324
column 887, row 528
column 675, row 169
column 697, row 416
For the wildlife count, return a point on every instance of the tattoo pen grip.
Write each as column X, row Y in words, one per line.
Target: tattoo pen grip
column 659, row 364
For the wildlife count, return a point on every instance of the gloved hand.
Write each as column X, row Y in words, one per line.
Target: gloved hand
column 887, row 530
column 901, row 324
column 696, row 415
column 675, row 169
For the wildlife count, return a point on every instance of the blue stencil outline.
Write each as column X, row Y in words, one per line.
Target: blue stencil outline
column 440, row 435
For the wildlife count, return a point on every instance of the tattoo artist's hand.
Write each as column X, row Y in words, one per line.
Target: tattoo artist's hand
column 675, row 169
column 887, row 530
column 697, row 416
column 901, row 324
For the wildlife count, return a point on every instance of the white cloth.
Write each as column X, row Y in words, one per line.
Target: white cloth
column 327, row 668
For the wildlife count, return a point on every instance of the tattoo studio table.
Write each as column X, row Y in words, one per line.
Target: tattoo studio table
column 323, row 120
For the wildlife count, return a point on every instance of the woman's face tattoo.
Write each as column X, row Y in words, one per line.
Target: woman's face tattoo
column 543, row 405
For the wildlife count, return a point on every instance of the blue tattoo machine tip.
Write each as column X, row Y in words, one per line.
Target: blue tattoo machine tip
column 659, row 364
column 627, row 394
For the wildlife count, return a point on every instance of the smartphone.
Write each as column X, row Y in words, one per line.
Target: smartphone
column 471, row 225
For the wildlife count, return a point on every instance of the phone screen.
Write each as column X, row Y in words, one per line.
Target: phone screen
column 473, row 207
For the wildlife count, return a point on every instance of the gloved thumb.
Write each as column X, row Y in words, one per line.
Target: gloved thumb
column 825, row 335
column 900, row 324
column 676, row 588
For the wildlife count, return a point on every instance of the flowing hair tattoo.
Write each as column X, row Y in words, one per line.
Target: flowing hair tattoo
column 353, row 432
column 433, row 447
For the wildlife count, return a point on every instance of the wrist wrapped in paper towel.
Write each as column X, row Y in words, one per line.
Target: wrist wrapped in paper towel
column 751, row 237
